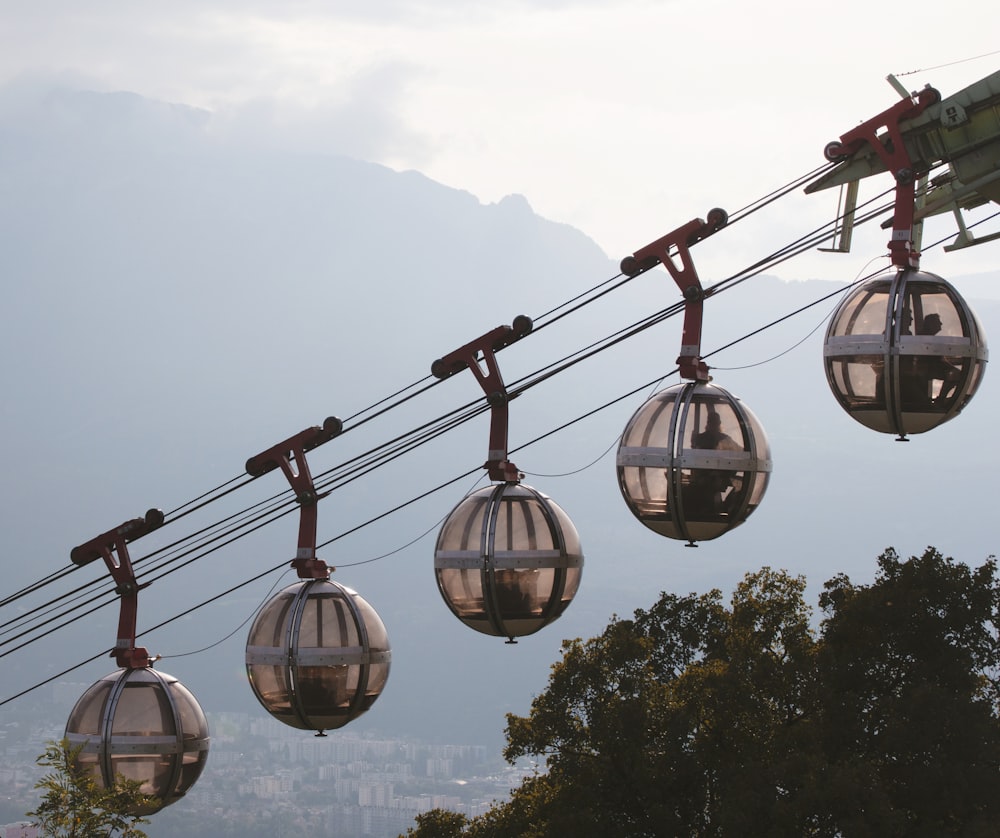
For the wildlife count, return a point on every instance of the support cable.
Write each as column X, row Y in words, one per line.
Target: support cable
column 431, row 430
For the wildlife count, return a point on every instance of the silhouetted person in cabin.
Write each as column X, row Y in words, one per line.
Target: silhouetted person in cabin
column 713, row 436
column 706, row 495
column 917, row 384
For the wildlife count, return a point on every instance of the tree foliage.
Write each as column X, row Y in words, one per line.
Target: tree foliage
column 75, row 805
column 438, row 823
column 700, row 718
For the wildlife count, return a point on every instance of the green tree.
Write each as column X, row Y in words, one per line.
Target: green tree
column 910, row 697
column 75, row 805
column 438, row 823
column 698, row 718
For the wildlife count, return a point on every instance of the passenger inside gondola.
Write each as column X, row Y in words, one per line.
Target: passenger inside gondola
column 516, row 591
column 707, row 493
column 930, row 381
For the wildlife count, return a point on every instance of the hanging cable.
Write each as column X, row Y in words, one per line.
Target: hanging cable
column 527, row 383
column 398, row 507
column 406, row 444
column 213, row 493
column 950, row 63
column 410, row 543
column 597, row 292
column 253, row 613
column 341, row 475
column 771, row 197
column 397, row 399
column 51, row 678
column 37, row 586
column 279, row 508
column 841, row 292
column 580, row 296
column 967, row 227
column 582, row 469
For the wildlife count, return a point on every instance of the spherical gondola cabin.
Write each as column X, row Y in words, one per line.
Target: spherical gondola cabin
column 317, row 655
column 143, row 725
column 508, row 560
column 904, row 353
column 693, row 462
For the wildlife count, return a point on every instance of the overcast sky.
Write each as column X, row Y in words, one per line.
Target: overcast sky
column 624, row 119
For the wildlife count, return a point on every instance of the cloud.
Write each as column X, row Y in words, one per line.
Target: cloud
column 359, row 117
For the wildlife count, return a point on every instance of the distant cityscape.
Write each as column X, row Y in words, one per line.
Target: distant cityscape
column 264, row 778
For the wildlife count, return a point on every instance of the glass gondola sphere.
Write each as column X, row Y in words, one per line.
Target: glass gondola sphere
column 317, row 655
column 693, row 462
column 508, row 560
column 143, row 725
column 904, row 353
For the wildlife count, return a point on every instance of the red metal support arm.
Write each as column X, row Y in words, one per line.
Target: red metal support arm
column 290, row 457
column 659, row 252
column 106, row 546
column 893, row 153
column 473, row 355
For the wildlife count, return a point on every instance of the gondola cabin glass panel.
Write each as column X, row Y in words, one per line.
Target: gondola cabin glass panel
column 318, row 655
column 508, row 560
column 143, row 725
column 904, row 353
column 693, row 462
